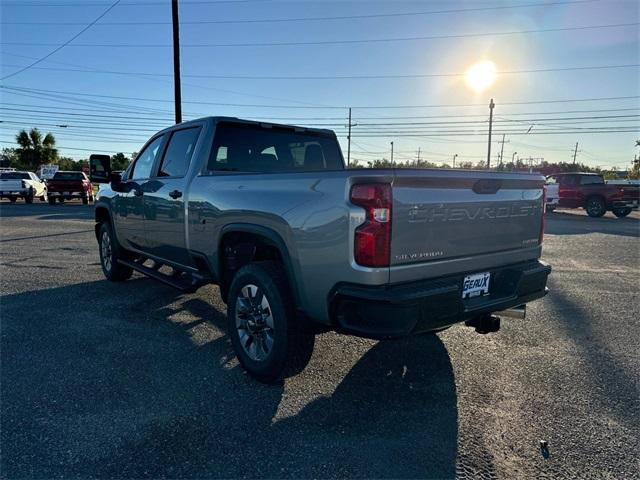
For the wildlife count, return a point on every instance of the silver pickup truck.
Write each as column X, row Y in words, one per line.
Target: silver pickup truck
column 298, row 244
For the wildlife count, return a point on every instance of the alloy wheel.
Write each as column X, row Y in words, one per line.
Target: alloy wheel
column 254, row 323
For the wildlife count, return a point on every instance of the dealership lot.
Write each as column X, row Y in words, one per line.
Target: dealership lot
column 134, row 379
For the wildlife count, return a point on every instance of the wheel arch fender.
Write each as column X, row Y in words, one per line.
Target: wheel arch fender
column 270, row 237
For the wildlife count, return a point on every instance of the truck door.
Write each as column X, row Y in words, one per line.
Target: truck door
column 570, row 196
column 129, row 204
column 164, row 200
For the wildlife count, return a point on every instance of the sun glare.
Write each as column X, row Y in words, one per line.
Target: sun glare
column 481, row 75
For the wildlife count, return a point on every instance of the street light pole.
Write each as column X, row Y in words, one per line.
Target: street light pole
column 176, row 61
column 491, row 105
column 513, row 157
column 454, row 160
column 392, row 154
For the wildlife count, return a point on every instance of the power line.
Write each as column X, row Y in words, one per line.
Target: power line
column 333, row 107
column 337, row 42
column 316, row 19
column 332, row 77
column 64, row 44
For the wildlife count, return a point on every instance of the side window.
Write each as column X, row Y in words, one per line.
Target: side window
column 145, row 160
column 179, row 152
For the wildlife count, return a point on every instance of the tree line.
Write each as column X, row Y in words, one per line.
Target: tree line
column 36, row 149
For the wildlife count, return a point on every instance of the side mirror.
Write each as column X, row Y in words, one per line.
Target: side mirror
column 100, row 168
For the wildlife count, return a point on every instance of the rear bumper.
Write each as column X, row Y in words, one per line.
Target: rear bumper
column 68, row 194
column 625, row 204
column 23, row 192
column 398, row 310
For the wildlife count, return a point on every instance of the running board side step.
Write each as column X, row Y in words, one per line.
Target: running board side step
column 186, row 282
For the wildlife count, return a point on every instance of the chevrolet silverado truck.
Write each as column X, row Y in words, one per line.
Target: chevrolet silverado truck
column 589, row 191
column 27, row 185
column 299, row 245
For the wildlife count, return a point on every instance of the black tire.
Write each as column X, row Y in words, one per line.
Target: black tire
column 550, row 209
column 595, row 207
column 109, row 255
column 621, row 212
column 61, row 200
column 12, row 199
column 52, row 200
column 291, row 347
column 28, row 199
column 85, row 201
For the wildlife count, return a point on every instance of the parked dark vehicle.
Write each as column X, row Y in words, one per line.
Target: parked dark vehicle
column 68, row 185
column 589, row 191
column 299, row 245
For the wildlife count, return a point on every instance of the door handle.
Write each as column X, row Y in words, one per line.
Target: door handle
column 175, row 194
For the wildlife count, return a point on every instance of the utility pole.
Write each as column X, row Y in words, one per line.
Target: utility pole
column 349, row 140
column 176, row 60
column 418, row 155
column 392, row 154
column 502, row 149
column 491, row 105
column 454, row 160
column 575, row 152
column 513, row 157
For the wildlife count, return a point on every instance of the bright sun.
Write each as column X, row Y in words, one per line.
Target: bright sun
column 481, row 75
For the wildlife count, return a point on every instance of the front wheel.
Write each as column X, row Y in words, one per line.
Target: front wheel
column 28, row 199
column 109, row 255
column 596, row 207
column 621, row 212
column 12, row 199
column 267, row 339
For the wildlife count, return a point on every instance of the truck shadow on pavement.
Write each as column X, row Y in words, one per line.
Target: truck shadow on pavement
column 136, row 380
column 564, row 223
column 74, row 210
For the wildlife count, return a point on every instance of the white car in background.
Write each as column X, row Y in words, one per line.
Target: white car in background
column 552, row 191
column 27, row 185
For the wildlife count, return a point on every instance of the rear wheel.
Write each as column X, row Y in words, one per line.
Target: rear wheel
column 596, row 207
column 621, row 212
column 29, row 198
column 109, row 255
column 52, row 200
column 85, row 200
column 262, row 324
column 61, row 200
column 12, row 199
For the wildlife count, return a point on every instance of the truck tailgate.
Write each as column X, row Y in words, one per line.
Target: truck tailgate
column 441, row 216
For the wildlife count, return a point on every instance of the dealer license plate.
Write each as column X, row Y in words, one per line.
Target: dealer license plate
column 476, row 285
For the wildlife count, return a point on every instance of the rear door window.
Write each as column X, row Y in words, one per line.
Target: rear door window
column 179, row 152
column 265, row 149
column 591, row 180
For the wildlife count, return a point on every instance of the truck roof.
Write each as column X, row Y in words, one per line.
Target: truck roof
column 577, row 173
column 218, row 119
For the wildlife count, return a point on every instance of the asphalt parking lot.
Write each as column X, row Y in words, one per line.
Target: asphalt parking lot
column 134, row 379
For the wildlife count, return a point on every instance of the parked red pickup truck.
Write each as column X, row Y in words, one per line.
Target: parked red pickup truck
column 589, row 191
column 67, row 185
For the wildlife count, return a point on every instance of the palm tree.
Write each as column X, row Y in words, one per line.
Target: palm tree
column 34, row 149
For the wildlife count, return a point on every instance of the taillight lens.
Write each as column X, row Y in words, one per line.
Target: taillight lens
column 544, row 214
column 373, row 237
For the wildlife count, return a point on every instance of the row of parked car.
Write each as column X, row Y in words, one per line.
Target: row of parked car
column 65, row 185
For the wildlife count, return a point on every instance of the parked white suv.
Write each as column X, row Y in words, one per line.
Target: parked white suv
column 26, row 185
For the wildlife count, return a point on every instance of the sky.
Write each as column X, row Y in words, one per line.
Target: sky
column 111, row 88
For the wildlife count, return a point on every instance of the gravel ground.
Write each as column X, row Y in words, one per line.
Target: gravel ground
column 134, row 379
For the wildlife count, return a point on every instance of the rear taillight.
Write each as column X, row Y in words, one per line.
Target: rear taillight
column 372, row 247
column 544, row 214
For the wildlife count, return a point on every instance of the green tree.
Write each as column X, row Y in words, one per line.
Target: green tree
column 120, row 161
column 35, row 149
